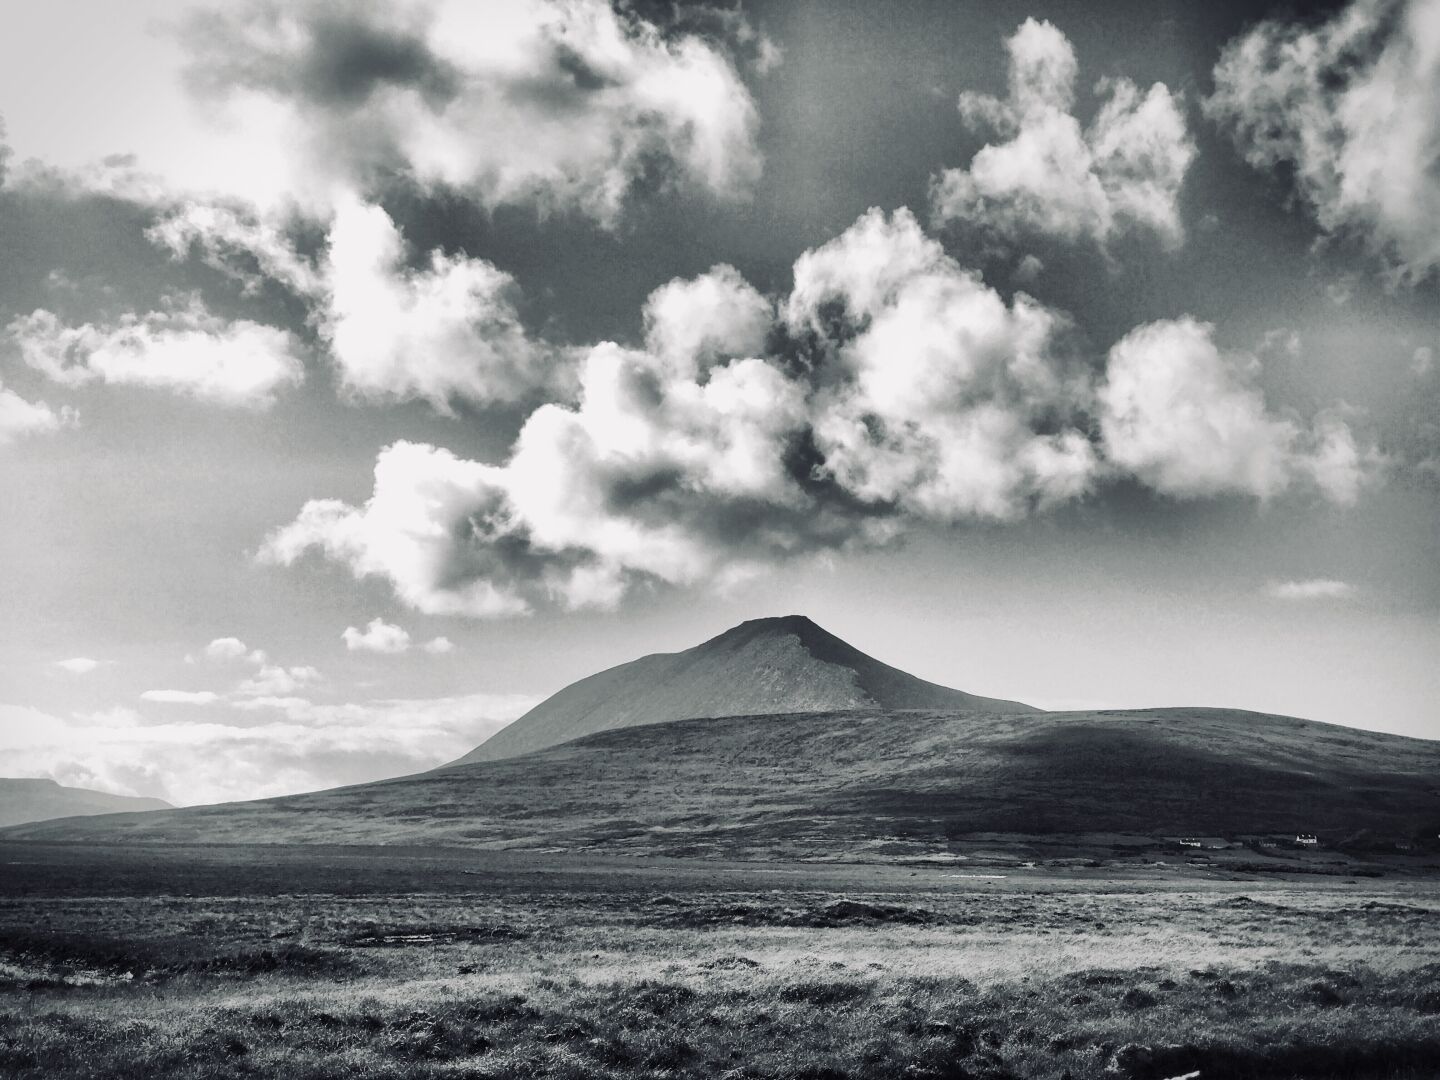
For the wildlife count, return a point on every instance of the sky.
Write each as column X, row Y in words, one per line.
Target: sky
column 370, row 371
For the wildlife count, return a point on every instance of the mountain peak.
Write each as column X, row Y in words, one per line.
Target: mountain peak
column 767, row 666
column 800, row 626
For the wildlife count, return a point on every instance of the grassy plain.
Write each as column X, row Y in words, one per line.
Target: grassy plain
column 333, row 962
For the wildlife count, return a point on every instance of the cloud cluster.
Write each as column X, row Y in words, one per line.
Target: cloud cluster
column 184, row 349
column 1348, row 109
column 382, row 637
column 19, row 417
column 275, row 747
column 444, row 331
column 566, row 104
column 889, row 389
column 1053, row 178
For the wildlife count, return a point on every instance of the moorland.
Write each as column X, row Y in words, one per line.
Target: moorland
column 309, row 962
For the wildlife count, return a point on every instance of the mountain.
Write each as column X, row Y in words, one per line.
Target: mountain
column 862, row 785
column 761, row 667
column 25, row 799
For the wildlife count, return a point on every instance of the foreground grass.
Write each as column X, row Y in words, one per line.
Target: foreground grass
column 1285, row 1021
column 966, row 980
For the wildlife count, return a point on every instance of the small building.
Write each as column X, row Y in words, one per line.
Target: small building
column 1306, row 840
column 1190, row 841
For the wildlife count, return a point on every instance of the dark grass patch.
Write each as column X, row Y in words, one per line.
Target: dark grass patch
column 835, row 913
column 422, row 934
column 67, row 956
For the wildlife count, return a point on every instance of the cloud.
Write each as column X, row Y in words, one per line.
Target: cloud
column 692, row 324
column 1346, row 110
column 912, row 389
column 78, row 665
column 232, row 648
column 275, row 679
column 935, row 395
column 274, row 747
column 561, row 105
column 382, row 637
column 890, row 390
column 419, row 530
column 1312, row 589
column 181, row 697
column 442, row 332
column 566, row 105
column 1187, row 420
column 19, row 418
column 1124, row 171
column 378, row 636
column 447, row 331
column 185, row 349
column 238, row 242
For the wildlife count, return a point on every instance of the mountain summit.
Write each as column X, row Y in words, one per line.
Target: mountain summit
column 761, row 667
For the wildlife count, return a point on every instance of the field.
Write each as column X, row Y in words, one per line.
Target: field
column 389, row 962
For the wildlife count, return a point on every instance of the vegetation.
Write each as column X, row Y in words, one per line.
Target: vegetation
column 535, row 968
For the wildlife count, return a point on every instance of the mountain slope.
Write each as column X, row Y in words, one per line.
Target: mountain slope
column 25, row 799
column 858, row 785
column 761, row 667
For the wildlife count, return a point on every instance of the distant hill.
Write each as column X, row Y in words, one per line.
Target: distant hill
column 761, row 667
column 25, row 799
column 860, row 785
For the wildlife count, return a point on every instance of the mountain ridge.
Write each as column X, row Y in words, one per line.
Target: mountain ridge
column 861, row 786
column 769, row 666
column 25, row 799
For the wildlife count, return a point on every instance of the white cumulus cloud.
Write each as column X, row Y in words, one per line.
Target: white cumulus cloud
column 447, row 331
column 946, row 400
column 1188, row 420
column 378, row 636
column 1052, row 177
column 276, row 679
column 19, row 417
column 1349, row 109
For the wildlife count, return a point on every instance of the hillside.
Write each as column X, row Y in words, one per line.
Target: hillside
column 24, row 799
column 861, row 785
column 761, row 667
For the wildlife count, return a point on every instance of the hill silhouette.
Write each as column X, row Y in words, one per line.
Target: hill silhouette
column 860, row 785
column 761, row 667
column 25, row 799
